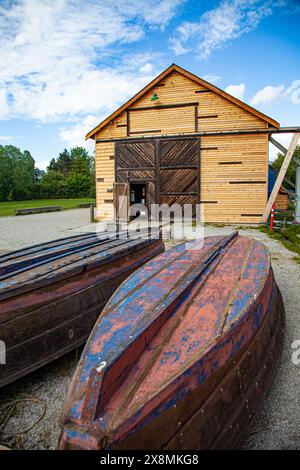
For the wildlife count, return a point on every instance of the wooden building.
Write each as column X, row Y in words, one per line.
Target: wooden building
column 181, row 139
column 282, row 200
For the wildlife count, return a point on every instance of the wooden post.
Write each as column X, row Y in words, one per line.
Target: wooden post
column 92, row 216
column 281, row 176
column 297, row 211
column 272, row 217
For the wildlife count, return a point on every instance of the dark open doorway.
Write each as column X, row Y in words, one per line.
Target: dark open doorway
column 138, row 195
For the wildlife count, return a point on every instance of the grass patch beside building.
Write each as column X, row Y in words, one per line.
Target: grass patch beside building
column 8, row 208
column 289, row 237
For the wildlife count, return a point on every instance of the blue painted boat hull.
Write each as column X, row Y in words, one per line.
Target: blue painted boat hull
column 182, row 355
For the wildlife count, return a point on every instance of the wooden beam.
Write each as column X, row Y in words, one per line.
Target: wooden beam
column 164, row 106
column 145, row 131
column 289, row 182
column 278, row 145
column 297, row 190
column 296, row 160
column 283, row 149
column 281, row 175
column 192, row 135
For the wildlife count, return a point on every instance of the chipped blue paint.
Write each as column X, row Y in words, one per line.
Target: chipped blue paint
column 153, row 295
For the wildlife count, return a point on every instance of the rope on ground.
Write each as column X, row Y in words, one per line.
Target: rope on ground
column 11, row 405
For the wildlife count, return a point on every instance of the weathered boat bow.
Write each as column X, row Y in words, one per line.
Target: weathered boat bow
column 173, row 358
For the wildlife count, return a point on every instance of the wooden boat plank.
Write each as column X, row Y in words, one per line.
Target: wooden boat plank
column 40, row 247
column 22, row 263
column 253, row 280
column 197, row 323
column 229, row 396
column 61, row 269
column 153, row 268
column 192, row 380
column 123, row 326
column 39, row 324
column 26, row 316
column 63, row 258
column 150, row 391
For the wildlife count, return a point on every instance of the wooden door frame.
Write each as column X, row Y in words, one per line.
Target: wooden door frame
column 116, row 203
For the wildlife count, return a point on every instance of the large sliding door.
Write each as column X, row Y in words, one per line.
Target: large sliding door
column 169, row 167
column 179, row 172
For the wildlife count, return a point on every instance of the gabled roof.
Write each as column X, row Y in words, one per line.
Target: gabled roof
column 196, row 79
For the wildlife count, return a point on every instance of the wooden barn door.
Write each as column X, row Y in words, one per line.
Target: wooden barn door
column 169, row 168
column 135, row 164
column 179, row 172
column 121, row 201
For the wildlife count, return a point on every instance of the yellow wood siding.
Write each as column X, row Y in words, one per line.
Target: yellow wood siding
column 282, row 202
column 215, row 178
column 113, row 130
column 218, row 181
column 105, row 177
column 165, row 121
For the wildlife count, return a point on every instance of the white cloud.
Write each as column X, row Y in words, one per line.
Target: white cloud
column 156, row 13
column 267, row 94
column 293, row 92
column 5, row 138
column 217, row 27
column 270, row 94
column 51, row 54
column 4, row 109
column 236, row 90
column 75, row 134
column 147, row 68
column 177, row 47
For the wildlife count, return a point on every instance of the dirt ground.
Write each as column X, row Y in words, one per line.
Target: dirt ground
column 30, row 408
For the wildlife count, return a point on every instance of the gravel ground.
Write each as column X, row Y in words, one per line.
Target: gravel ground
column 44, row 391
column 17, row 232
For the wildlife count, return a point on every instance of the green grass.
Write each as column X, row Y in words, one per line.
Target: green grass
column 289, row 237
column 8, row 208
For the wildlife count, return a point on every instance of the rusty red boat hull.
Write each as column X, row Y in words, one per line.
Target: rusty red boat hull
column 52, row 294
column 183, row 354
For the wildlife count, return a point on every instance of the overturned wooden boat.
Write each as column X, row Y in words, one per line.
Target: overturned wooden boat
column 183, row 353
column 51, row 294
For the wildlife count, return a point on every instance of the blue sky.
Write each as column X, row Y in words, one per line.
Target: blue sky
column 66, row 64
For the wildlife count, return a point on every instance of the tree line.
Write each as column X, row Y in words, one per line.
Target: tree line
column 70, row 175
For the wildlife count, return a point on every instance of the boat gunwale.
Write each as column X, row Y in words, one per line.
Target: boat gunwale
column 72, row 269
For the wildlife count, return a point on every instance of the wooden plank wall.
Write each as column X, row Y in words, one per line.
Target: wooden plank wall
column 105, row 177
column 234, row 172
column 165, row 120
column 282, row 202
column 233, row 169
